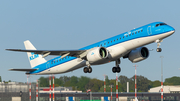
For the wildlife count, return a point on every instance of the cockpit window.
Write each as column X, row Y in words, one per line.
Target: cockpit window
column 157, row 25
column 161, row 24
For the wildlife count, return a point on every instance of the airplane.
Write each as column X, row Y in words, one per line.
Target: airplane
column 127, row 45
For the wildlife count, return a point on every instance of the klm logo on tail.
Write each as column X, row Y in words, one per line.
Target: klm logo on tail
column 34, row 56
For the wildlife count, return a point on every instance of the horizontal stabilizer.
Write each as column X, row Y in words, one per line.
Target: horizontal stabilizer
column 24, row 70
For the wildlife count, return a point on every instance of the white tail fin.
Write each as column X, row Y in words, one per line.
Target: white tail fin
column 34, row 59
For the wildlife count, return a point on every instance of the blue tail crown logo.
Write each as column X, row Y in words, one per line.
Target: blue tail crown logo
column 34, row 56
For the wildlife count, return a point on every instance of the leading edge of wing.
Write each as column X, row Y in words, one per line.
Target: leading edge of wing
column 24, row 70
column 51, row 52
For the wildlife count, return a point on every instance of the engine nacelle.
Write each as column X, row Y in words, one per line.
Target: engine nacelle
column 96, row 55
column 138, row 54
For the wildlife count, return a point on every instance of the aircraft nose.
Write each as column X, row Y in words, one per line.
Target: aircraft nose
column 171, row 29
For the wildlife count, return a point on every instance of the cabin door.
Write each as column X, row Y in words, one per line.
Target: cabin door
column 149, row 31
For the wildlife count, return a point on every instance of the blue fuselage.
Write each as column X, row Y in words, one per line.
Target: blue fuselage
column 153, row 29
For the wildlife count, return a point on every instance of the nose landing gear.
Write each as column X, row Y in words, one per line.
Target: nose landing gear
column 158, row 49
column 158, row 44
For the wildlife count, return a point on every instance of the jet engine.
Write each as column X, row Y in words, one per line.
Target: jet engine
column 138, row 54
column 97, row 55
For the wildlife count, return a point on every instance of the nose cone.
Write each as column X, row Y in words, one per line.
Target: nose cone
column 170, row 29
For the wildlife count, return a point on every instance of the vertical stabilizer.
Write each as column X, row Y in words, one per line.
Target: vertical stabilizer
column 34, row 59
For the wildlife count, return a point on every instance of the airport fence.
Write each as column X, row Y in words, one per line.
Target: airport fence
column 14, row 91
column 10, row 91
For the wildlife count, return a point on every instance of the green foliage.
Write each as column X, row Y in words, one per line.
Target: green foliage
column 84, row 83
column 44, row 81
column 107, row 80
column 94, row 85
column 123, row 80
column 154, row 83
column 172, row 81
column 74, row 80
column 65, row 79
column 142, row 83
column 58, row 82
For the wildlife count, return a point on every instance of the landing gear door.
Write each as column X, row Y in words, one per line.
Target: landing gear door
column 149, row 31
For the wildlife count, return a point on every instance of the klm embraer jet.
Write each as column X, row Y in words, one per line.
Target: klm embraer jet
column 127, row 45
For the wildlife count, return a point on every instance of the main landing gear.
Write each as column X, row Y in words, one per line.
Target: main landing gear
column 117, row 68
column 87, row 69
column 158, row 44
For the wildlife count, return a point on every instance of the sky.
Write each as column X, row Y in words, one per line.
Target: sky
column 73, row 24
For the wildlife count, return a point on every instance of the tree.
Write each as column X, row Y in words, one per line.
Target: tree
column 107, row 80
column 73, row 81
column 65, row 79
column 82, row 83
column 94, row 85
column 123, row 80
column 154, row 84
column 172, row 81
column 44, row 82
column 142, row 83
column 58, row 82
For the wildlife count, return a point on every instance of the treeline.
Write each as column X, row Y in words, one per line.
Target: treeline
column 83, row 83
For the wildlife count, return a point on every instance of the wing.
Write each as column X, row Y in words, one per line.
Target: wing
column 22, row 70
column 62, row 53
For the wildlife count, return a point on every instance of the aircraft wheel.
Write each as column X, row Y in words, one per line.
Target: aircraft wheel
column 85, row 69
column 118, row 70
column 89, row 70
column 114, row 69
column 158, row 49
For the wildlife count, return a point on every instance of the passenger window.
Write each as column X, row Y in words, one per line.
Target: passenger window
column 108, row 42
column 132, row 33
column 117, row 39
column 135, row 32
column 104, row 43
column 120, row 38
column 141, row 30
column 138, row 31
column 129, row 34
column 123, row 36
column 111, row 41
column 114, row 40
